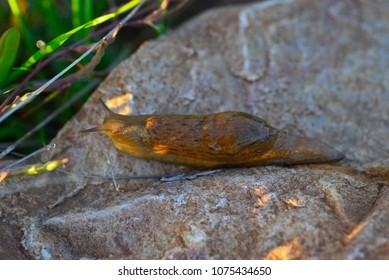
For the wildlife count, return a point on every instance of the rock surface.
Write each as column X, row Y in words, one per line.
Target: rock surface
column 318, row 68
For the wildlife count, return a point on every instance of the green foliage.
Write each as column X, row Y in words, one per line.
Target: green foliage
column 9, row 44
column 61, row 39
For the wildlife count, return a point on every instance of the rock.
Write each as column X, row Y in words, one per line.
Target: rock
column 317, row 68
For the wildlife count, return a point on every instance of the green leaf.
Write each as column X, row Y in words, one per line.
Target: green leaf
column 61, row 39
column 9, row 45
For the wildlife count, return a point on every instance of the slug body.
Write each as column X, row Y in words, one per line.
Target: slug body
column 226, row 139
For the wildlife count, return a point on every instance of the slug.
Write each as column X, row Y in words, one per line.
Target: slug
column 227, row 139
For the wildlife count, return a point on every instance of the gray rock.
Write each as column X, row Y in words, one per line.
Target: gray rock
column 317, row 68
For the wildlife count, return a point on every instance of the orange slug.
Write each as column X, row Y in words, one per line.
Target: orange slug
column 227, row 139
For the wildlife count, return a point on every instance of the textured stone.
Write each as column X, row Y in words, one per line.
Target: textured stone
column 317, row 68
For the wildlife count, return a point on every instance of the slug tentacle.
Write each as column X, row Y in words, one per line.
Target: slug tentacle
column 224, row 139
column 93, row 129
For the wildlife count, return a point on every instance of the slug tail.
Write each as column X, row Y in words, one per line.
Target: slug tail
column 306, row 150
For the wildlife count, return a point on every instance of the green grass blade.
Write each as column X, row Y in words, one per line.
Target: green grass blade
column 88, row 10
column 76, row 13
column 56, row 24
column 26, row 31
column 9, row 45
column 77, row 17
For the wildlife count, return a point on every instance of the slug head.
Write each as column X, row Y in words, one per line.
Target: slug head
column 114, row 123
column 106, row 126
column 123, row 130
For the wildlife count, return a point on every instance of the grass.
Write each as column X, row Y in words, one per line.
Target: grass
column 51, row 59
